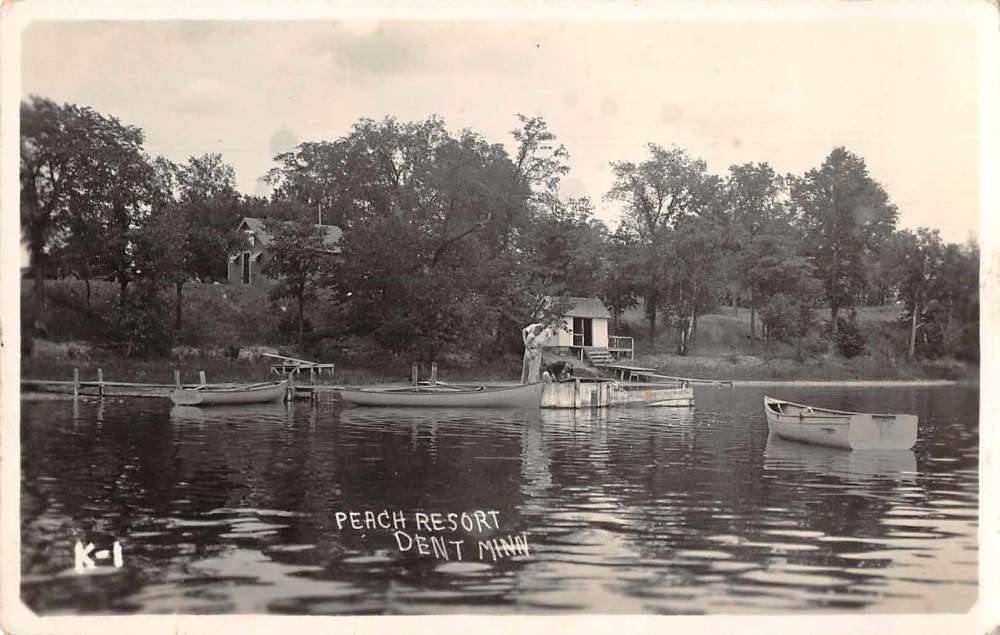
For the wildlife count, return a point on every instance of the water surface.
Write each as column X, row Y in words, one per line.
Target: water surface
column 638, row 510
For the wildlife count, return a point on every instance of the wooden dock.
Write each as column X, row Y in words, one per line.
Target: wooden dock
column 633, row 373
column 100, row 387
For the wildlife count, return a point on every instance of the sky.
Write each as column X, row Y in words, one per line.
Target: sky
column 902, row 94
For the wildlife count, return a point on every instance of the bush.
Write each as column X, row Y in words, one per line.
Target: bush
column 779, row 316
column 848, row 338
column 141, row 328
column 813, row 346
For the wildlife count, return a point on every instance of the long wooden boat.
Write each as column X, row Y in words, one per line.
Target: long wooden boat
column 840, row 429
column 235, row 395
column 526, row 396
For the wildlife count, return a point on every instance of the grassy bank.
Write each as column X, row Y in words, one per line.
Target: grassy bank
column 227, row 370
column 724, row 350
column 242, row 317
column 785, row 369
column 221, row 369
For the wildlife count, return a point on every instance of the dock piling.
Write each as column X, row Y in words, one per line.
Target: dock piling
column 201, row 377
column 76, row 383
column 416, row 373
column 100, row 382
column 177, row 379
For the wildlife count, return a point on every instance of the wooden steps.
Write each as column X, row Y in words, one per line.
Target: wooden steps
column 599, row 356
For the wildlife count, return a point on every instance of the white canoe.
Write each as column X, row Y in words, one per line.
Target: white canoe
column 526, row 396
column 840, row 429
column 236, row 395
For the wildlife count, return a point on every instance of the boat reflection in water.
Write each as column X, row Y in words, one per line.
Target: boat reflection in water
column 273, row 411
column 432, row 416
column 860, row 465
column 568, row 419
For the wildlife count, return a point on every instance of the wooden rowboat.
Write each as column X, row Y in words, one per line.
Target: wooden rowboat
column 840, row 429
column 235, row 395
column 526, row 396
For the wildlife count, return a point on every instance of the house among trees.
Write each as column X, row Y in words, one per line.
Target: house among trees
column 246, row 266
column 584, row 332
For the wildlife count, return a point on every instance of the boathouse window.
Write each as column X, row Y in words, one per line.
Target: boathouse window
column 246, row 267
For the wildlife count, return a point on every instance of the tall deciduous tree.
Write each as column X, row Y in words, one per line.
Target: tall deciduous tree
column 564, row 249
column 540, row 162
column 694, row 277
column 211, row 207
column 955, row 304
column 116, row 176
column 846, row 217
column 620, row 286
column 300, row 259
column 752, row 208
column 917, row 261
column 656, row 193
column 48, row 148
column 441, row 213
column 75, row 161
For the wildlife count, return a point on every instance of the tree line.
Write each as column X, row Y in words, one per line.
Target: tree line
column 452, row 242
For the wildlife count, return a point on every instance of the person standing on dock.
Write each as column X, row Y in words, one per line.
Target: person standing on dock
column 531, row 368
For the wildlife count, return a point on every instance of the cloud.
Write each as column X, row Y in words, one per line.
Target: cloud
column 283, row 140
column 204, row 96
column 369, row 48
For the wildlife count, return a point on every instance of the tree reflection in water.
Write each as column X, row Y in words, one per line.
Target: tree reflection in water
column 627, row 510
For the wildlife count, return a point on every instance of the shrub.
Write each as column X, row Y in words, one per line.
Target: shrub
column 848, row 338
column 779, row 316
column 141, row 328
column 814, row 345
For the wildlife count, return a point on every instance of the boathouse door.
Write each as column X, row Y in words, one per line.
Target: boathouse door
column 583, row 331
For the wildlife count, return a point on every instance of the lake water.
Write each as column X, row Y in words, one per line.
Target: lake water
column 642, row 510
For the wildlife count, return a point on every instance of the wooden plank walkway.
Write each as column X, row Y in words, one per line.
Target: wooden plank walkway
column 626, row 371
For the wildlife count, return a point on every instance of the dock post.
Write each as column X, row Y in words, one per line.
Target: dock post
column 100, row 382
column 434, row 373
column 201, row 377
column 416, row 373
column 290, row 394
column 76, row 382
column 177, row 379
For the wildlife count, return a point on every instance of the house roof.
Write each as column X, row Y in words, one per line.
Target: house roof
column 587, row 308
column 256, row 226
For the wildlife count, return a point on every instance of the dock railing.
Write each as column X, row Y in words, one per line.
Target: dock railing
column 684, row 380
column 622, row 344
column 286, row 366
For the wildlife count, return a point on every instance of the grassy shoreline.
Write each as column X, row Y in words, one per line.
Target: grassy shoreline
column 242, row 318
column 743, row 370
column 223, row 370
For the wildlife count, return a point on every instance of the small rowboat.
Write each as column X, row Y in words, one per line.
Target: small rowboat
column 839, row 429
column 235, row 395
column 444, row 396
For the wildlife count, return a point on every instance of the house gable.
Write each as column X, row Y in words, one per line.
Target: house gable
column 257, row 242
